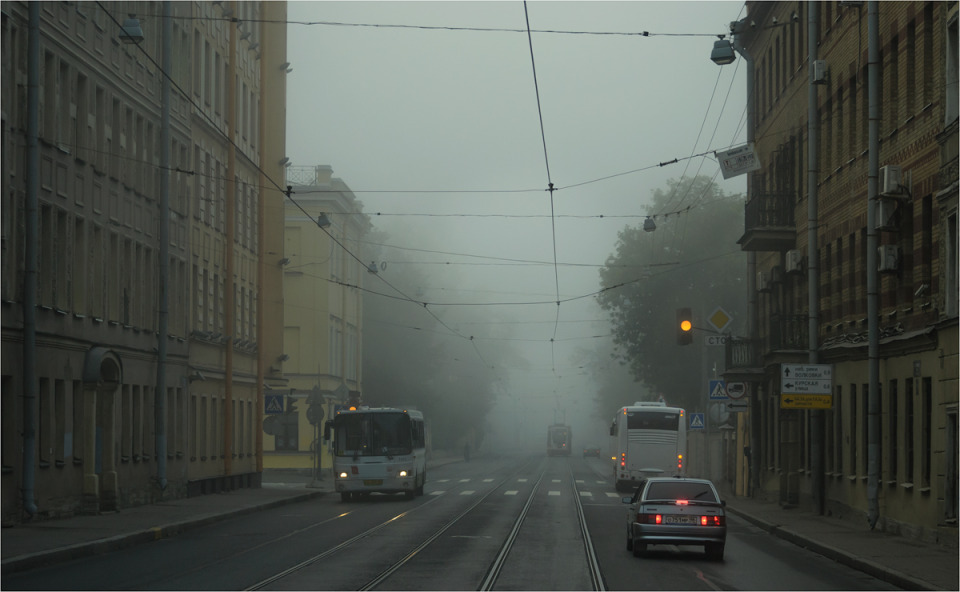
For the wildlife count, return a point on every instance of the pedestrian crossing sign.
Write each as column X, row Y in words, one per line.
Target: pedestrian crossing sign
column 697, row 421
column 718, row 390
column 272, row 404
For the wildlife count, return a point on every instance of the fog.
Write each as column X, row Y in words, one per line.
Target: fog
column 431, row 113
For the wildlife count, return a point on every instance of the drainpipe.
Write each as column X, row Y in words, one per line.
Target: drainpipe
column 813, row 257
column 873, row 319
column 752, row 310
column 160, row 399
column 30, row 264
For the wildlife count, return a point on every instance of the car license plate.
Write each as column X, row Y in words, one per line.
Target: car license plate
column 668, row 519
column 373, row 481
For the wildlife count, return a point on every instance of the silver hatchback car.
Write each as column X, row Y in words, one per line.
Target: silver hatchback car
column 676, row 511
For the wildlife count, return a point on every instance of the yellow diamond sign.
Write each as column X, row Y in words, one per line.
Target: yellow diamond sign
column 719, row 319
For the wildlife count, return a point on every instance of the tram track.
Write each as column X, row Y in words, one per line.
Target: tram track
column 503, row 554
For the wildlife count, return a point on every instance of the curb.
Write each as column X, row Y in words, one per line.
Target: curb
column 117, row 542
column 866, row 566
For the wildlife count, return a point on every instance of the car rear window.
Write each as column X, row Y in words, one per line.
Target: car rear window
column 676, row 490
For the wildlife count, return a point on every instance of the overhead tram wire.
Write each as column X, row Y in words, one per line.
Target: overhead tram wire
column 550, row 186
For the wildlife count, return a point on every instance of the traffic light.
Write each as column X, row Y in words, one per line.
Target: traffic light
column 291, row 403
column 684, row 326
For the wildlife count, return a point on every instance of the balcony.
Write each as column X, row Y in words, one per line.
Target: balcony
column 789, row 333
column 743, row 362
column 769, row 223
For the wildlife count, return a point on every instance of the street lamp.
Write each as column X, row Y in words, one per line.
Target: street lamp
column 131, row 32
column 722, row 53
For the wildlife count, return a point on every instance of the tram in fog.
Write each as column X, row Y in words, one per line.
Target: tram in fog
column 559, row 440
column 378, row 450
column 649, row 440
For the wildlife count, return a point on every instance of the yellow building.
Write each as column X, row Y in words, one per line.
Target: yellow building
column 113, row 395
column 828, row 457
column 323, row 315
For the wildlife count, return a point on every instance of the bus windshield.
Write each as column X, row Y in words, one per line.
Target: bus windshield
column 373, row 434
column 652, row 420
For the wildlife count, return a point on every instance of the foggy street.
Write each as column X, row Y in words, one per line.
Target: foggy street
column 450, row 539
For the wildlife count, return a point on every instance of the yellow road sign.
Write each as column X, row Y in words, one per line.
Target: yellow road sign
column 805, row 401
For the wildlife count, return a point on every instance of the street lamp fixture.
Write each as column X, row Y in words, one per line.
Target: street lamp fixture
column 131, row 32
column 722, row 53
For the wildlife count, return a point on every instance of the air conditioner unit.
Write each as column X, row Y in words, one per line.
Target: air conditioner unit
column 889, row 258
column 819, row 72
column 886, row 210
column 891, row 180
column 763, row 281
column 794, row 261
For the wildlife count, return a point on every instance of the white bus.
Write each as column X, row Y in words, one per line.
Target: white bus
column 380, row 450
column 649, row 440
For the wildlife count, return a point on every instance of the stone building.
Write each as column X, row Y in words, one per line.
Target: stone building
column 821, row 455
column 112, row 394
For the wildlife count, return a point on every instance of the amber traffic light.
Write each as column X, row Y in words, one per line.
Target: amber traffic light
column 684, row 326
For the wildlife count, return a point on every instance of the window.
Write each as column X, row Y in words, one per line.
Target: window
column 838, row 428
column 930, row 74
column 926, row 430
column 892, row 444
column 60, row 421
column 853, row 430
column 288, row 436
column 76, row 436
column 126, row 424
column 908, row 432
column 864, row 428
column 912, row 68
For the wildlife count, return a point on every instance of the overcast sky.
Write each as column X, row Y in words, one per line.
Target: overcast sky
column 433, row 120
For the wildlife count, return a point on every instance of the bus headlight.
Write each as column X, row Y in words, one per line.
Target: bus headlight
column 342, row 475
column 402, row 473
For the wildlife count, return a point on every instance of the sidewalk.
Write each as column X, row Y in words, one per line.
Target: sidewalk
column 903, row 562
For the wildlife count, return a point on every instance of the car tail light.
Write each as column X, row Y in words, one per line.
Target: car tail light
column 649, row 518
column 682, row 502
column 712, row 521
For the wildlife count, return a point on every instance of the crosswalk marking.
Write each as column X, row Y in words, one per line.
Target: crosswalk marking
column 442, row 480
column 556, row 480
column 467, row 492
column 609, row 494
column 586, row 494
column 438, row 492
column 511, row 492
column 464, row 480
column 487, row 480
column 522, row 480
column 553, row 493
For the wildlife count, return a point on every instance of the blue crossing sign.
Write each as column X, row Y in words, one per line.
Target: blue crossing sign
column 697, row 422
column 272, row 404
column 718, row 390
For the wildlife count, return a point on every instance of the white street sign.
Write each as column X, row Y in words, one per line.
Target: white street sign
column 715, row 340
column 736, row 406
column 806, row 379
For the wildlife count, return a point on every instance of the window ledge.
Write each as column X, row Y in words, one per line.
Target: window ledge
column 892, row 482
column 906, row 485
column 925, row 490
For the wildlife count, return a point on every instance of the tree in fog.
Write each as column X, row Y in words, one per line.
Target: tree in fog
column 411, row 359
column 690, row 260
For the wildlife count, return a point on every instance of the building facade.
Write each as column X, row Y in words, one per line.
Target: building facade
column 112, row 394
column 823, row 456
column 323, row 316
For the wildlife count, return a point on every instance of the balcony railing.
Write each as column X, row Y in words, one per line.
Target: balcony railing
column 770, row 223
column 789, row 332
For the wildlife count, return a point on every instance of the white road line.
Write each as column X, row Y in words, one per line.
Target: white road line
column 438, row 492
column 522, row 480
column 464, row 480
column 553, row 493
column 487, row 480
column 511, row 492
column 467, row 492
column 609, row 494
